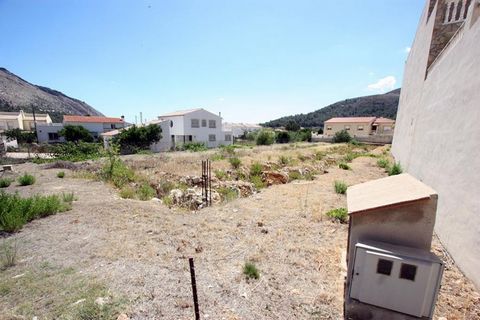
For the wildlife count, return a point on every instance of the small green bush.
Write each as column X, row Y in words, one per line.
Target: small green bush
column 256, row 169
column 26, row 179
column 258, row 182
column 217, row 157
column 251, row 271
column 383, row 163
column 229, row 150
column 5, row 182
column 220, row 174
column 79, row 151
column 235, row 162
column 127, row 192
column 344, row 166
column 68, row 197
column 227, row 194
column 168, row 201
column 284, row 160
column 195, row 146
column 355, row 142
column 319, row 155
column 294, row 175
column 117, row 172
column 342, row 136
column 340, row 187
column 61, row 174
column 282, row 137
column 349, row 157
column 395, row 169
column 8, row 254
column 309, row 176
column 339, row 214
column 265, row 137
column 146, row 192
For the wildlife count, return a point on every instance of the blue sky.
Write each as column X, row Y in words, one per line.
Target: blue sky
column 253, row 60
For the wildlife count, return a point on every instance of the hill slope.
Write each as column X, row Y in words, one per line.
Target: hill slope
column 16, row 94
column 381, row 105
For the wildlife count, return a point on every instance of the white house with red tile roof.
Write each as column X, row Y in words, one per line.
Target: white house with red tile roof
column 359, row 126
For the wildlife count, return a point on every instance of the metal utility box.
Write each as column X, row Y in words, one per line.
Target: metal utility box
column 398, row 278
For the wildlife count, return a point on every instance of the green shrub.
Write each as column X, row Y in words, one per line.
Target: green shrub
column 167, row 201
column 302, row 157
column 116, row 171
column 217, row 157
column 194, row 146
column 256, row 169
column 301, row 135
column 220, row 174
column 16, row 211
column 349, row 157
column 309, row 176
column 258, row 182
column 127, row 192
column 251, row 271
column 344, row 166
column 395, row 169
column 26, row 179
column 282, row 137
column 229, row 150
column 339, row 214
column 227, row 194
column 355, row 142
column 342, row 136
column 68, row 197
column 319, row 155
column 80, row 151
column 136, row 138
column 61, row 174
column 146, row 192
column 8, row 254
column 235, row 162
column 165, row 186
column 294, row 175
column 5, row 182
column 340, row 187
column 74, row 133
column 20, row 136
column 284, row 160
column 265, row 137
column 383, row 163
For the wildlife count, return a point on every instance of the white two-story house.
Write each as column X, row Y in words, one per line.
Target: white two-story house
column 196, row 125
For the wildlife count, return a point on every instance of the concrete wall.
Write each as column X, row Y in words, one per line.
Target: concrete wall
column 44, row 129
column 437, row 133
column 165, row 144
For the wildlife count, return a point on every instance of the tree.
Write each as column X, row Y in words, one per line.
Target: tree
column 292, row 126
column 342, row 136
column 282, row 137
column 136, row 138
column 20, row 136
column 73, row 133
column 265, row 137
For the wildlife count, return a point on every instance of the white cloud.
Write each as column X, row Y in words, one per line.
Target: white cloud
column 408, row 49
column 387, row 83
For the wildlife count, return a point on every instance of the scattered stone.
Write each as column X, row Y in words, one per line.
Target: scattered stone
column 18, row 276
column 272, row 177
column 264, row 231
column 260, row 224
column 123, row 316
column 102, row 300
column 78, row 302
column 157, row 200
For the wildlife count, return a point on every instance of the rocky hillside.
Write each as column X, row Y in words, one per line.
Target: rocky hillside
column 16, row 94
column 381, row 105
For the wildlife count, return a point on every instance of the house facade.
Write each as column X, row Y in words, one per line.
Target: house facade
column 436, row 134
column 359, row 126
column 21, row 120
column 239, row 129
column 196, row 125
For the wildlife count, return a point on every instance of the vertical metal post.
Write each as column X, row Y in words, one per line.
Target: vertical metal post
column 194, row 289
column 34, row 124
column 209, row 182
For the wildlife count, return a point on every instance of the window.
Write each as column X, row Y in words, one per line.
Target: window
column 171, row 124
column 204, row 123
column 329, row 128
column 195, row 123
column 347, row 127
column 387, row 128
column 360, row 128
column 384, row 267
column 212, row 137
column 112, row 126
column 408, row 271
column 212, row 124
column 52, row 136
column 228, row 137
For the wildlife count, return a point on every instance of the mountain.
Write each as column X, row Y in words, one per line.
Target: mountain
column 16, row 94
column 380, row 105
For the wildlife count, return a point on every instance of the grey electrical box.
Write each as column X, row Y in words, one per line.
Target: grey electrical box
column 398, row 278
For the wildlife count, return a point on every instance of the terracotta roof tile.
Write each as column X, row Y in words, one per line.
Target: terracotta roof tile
column 91, row 119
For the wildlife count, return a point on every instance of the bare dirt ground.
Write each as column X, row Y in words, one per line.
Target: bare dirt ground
column 139, row 250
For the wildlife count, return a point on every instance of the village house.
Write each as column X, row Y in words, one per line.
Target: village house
column 437, row 134
column 239, row 129
column 48, row 132
column 359, row 126
column 21, row 120
column 196, row 125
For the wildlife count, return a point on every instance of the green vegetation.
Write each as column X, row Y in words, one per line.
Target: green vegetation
column 146, row 192
column 227, row 194
column 383, row 163
column 294, row 175
column 5, row 182
column 342, row 136
column 116, row 171
column 194, row 146
column 344, row 166
column 220, row 174
column 265, row 137
column 395, row 169
column 8, row 254
column 282, row 137
column 73, row 133
column 292, row 126
column 319, row 155
column 251, row 271
column 136, row 138
column 284, row 160
column 229, row 150
column 258, row 182
column 256, row 169
column 339, row 214
column 79, row 151
column 20, row 136
column 168, row 201
column 26, row 180
column 235, row 162
column 217, row 157
column 127, row 192
column 61, row 174
column 340, row 187
column 16, row 211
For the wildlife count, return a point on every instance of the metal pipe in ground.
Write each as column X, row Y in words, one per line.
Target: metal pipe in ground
column 194, row 289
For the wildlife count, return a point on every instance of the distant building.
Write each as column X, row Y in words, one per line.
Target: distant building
column 196, row 125
column 437, row 133
column 21, row 120
column 239, row 129
column 359, row 126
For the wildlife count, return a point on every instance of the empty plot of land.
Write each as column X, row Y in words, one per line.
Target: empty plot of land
column 136, row 252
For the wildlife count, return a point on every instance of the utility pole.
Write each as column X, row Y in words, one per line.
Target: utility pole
column 34, row 122
column 141, row 118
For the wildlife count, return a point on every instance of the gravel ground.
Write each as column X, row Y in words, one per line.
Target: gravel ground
column 141, row 249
